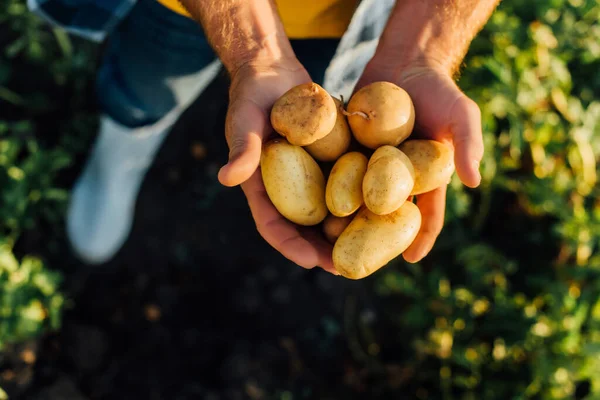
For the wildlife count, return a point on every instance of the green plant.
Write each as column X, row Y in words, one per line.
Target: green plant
column 508, row 304
column 30, row 302
column 42, row 75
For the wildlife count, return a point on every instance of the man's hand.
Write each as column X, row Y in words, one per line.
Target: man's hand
column 253, row 91
column 445, row 114
column 249, row 38
column 420, row 50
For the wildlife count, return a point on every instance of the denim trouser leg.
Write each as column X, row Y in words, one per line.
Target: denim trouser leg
column 151, row 65
column 153, row 60
column 155, row 65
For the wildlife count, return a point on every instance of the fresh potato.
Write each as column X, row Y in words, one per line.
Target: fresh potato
column 383, row 151
column 371, row 240
column 389, row 180
column 381, row 114
column 343, row 193
column 334, row 226
column 304, row 114
column 294, row 182
column 433, row 163
column 336, row 143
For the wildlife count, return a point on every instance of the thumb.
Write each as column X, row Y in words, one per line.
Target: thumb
column 245, row 128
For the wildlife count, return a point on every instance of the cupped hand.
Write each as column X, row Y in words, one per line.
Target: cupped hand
column 254, row 89
column 444, row 113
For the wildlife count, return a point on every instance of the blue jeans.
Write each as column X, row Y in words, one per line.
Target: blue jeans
column 151, row 60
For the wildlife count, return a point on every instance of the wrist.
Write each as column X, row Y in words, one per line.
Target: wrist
column 405, row 54
column 422, row 36
column 242, row 32
column 266, row 76
column 404, row 69
column 271, row 51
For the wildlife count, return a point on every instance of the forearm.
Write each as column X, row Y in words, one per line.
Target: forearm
column 431, row 34
column 242, row 31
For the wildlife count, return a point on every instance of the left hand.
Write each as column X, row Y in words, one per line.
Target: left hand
column 444, row 113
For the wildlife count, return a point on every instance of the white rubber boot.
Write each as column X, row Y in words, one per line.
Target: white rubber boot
column 102, row 205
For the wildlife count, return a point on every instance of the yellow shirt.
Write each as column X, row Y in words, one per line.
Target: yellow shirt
column 305, row 18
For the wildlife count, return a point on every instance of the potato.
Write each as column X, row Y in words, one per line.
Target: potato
column 381, row 114
column 383, row 151
column 294, row 182
column 389, row 180
column 336, row 143
column 334, row 226
column 371, row 240
column 343, row 193
column 433, row 163
column 304, row 114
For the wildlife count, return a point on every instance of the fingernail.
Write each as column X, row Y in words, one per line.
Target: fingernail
column 423, row 250
column 476, row 164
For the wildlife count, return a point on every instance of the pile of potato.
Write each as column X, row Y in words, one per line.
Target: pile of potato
column 365, row 201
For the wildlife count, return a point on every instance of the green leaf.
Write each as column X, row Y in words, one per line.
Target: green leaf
column 3, row 394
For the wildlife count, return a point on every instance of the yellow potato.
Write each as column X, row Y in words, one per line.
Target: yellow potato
column 371, row 241
column 433, row 163
column 381, row 113
column 389, row 180
column 334, row 226
column 343, row 193
column 336, row 143
column 304, row 114
column 383, row 151
column 294, row 182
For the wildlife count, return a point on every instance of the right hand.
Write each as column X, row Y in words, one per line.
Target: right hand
column 253, row 91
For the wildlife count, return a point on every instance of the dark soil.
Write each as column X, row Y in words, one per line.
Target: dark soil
column 196, row 305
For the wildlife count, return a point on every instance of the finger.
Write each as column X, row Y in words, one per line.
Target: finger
column 323, row 248
column 296, row 244
column 467, row 139
column 432, row 206
column 245, row 129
